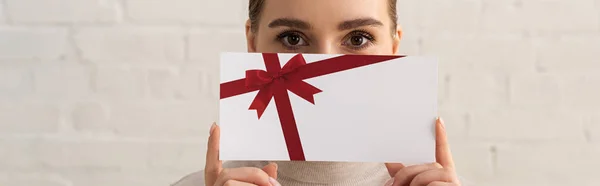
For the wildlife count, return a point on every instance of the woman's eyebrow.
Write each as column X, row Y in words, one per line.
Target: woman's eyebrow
column 355, row 23
column 290, row 22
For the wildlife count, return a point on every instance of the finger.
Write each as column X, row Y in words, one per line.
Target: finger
column 271, row 170
column 244, row 174
column 237, row 183
column 406, row 175
column 393, row 168
column 274, row 182
column 442, row 149
column 423, row 179
column 441, row 183
column 213, row 165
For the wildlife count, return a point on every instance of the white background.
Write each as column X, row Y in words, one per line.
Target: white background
column 122, row 92
column 383, row 112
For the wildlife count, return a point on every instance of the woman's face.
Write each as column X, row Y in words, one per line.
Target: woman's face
column 325, row 27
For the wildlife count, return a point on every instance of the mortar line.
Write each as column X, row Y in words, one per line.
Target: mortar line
column 509, row 90
column 587, row 135
column 585, row 126
column 186, row 43
column 494, row 158
column 468, row 121
column 7, row 17
column 123, row 10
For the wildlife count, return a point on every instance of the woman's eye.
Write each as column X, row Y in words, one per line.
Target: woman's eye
column 293, row 40
column 358, row 40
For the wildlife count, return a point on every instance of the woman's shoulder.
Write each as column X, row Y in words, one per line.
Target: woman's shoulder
column 197, row 178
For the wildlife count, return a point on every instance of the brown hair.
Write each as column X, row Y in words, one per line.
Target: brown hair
column 255, row 8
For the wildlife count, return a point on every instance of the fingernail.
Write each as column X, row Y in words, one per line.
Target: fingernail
column 442, row 122
column 274, row 182
column 390, row 182
column 212, row 127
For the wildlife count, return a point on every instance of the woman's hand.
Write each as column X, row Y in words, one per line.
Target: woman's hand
column 440, row 173
column 215, row 175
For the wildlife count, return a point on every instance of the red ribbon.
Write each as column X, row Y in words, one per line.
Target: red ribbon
column 276, row 81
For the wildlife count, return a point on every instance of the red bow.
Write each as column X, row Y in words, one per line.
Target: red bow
column 283, row 78
column 276, row 81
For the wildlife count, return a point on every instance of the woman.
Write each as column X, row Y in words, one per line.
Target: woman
column 330, row 27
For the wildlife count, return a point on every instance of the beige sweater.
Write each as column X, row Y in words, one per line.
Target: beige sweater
column 311, row 173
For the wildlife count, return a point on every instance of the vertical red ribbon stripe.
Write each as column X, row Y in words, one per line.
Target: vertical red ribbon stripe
column 275, row 82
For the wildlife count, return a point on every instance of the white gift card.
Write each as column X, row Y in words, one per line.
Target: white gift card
column 366, row 108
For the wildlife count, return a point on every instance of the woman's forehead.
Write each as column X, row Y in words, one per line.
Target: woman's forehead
column 325, row 13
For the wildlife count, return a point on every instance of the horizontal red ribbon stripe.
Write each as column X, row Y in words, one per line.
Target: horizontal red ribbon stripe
column 310, row 70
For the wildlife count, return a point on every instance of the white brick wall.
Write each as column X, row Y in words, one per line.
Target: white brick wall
column 122, row 92
column 20, row 42
column 548, row 164
column 15, row 82
column 63, row 11
column 130, row 44
column 201, row 12
column 553, row 16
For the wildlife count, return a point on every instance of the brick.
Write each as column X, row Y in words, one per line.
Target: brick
column 569, row 54
column 101, row 180
column 535, row 90
column 15, row 82
column 156, row 120
column 226, row 12
column 19, row 118
column 527, row 125
column 190, row 82
column 62, row 81
column 33, row 43
column 131, row 45
column 581, row 91
column 558, row 14
column 549, row 163
column 456, row 122
column 540, row 15
column 206, row 45
column 461, row 15
column 52, row 155
column 503, row 53
column 199, row 82
column 477, row 90
column 180, row 157
column 89, row 116
column 211, row 85
column 509, row 13
column 63, row 11
column 503, row 181
column 142, row 177
column 164, row 83
column 119, row 83
column 28, row 179
column 474, row 161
